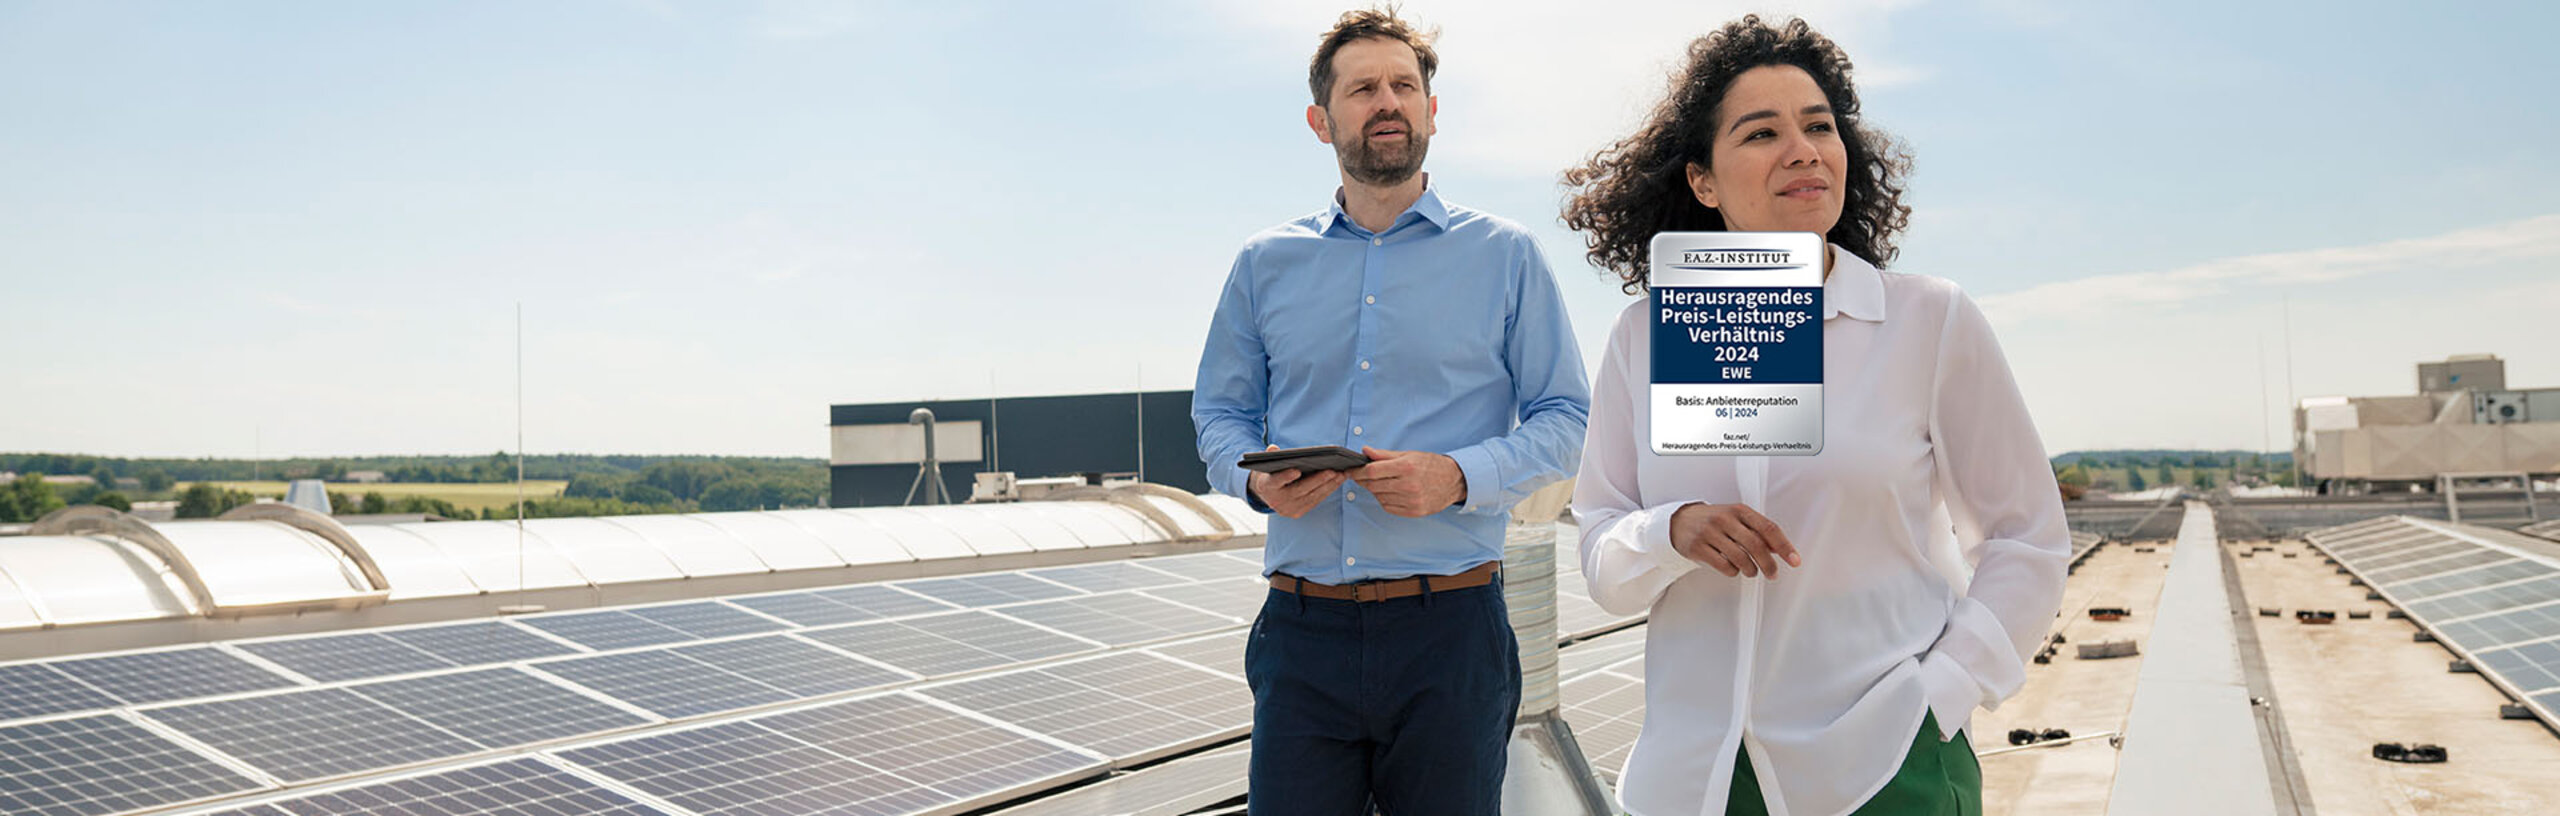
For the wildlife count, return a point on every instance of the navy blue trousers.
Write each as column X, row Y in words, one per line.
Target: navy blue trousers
column 1405, row 705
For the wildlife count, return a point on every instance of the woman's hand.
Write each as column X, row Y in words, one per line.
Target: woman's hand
column 1732, row 538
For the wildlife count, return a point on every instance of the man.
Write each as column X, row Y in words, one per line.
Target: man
column 1432, row 338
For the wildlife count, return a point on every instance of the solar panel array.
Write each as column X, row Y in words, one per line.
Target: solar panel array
column 935, row 694
column 515, row 787
column 149, row 729
column 1603, row 697
column 2483, row 592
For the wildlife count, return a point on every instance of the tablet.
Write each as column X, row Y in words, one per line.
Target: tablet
column 1321, row 457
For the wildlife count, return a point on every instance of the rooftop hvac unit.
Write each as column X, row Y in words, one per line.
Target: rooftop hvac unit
column 2505, row 407
column 2483, row 372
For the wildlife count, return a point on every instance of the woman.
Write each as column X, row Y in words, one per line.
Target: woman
column 1811, row 652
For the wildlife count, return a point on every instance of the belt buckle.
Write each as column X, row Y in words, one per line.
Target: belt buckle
column 1367, row 592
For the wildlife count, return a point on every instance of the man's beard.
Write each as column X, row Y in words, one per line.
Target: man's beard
column 1381, row 168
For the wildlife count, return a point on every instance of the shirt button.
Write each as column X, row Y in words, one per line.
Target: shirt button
column 1349, row 496
column 1355, row 430
column 1350, row 562
column 1371, row 300
column 1364, row 365
column 1377, row 241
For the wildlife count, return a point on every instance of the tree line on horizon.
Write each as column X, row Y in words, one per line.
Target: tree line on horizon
column 495, row 467
column 597, row 484
column 2135, row 470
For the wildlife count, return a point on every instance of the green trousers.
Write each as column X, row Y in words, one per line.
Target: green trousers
column 1937, row 779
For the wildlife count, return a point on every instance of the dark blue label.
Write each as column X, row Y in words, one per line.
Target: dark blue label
column 1737, row 335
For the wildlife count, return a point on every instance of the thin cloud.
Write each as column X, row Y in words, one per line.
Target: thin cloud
column 2527, row 239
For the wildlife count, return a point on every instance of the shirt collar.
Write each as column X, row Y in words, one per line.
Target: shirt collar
column 1855, row 289
column 1429, row 206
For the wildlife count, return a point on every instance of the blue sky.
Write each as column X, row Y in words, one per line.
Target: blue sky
column 302, row 228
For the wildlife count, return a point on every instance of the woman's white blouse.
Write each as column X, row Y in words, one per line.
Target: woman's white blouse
column 1933, row 543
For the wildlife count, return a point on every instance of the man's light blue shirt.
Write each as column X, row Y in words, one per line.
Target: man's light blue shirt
column 1443, row 333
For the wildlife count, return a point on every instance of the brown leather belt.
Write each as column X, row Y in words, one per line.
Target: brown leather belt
column 1367, row 591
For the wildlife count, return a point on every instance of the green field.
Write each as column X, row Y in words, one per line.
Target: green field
column 478, row 497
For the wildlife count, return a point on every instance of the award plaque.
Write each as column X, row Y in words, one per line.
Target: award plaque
column 1737, row 343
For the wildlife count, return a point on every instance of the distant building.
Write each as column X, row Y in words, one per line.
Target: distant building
column 874, row 452
column 69, row 481
column 367, row 476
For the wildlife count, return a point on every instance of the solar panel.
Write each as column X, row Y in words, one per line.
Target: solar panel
column 988, row 590
column 1253, row 557
column 1215, row 699
column 2504, row 628
column 1601, row 653
column 943, row 644
column 1200, row 566
column 517, row 787
column 2500, row 573
column 742, row 768
column 2343, row 542
column 150, row 677
column 1579, row 616
column 34, row 689
column 1191, row 784
column 2550, row 700
column 1606, row 712
column 101, row 764
column 2405, row 555
column 1119, row 619
column 1223, row 653
column 1123, row 705
column 883, row 601
column 2385, row 546
column 956, row 756
column 346, row 657
column 471, row 644
column 805, row 609
column 2383, row 541
column 796, row 666
column 666, row 684
column 1109, row 575
column 500, row 707
column 1239, row 598
column 2437, row 566
column 303, row 735
column 606, row 630
column 2489, row 599
column 2531, row 667
column 709, row 619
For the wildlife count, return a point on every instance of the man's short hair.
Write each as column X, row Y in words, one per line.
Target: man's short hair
column 1361, row 24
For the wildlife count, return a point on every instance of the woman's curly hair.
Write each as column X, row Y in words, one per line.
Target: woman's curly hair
column 1640, row 186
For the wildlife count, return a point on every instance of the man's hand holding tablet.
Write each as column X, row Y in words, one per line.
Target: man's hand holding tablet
column 1294, row 481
